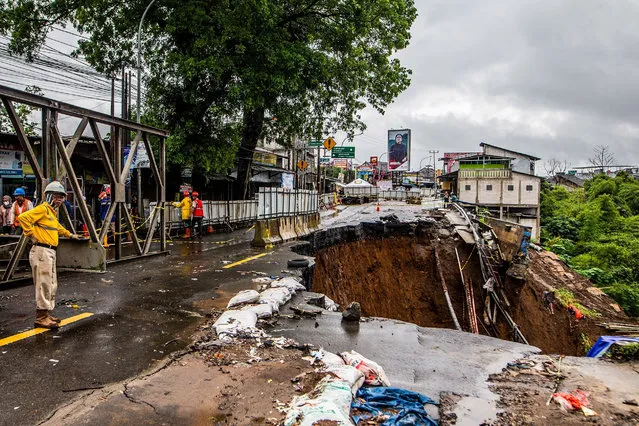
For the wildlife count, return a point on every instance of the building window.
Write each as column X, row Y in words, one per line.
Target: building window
column 489, row 187
column 529, row 187
column 467, row 188
column 511, row 187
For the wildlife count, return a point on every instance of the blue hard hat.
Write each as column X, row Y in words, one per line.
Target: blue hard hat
column 19, row 191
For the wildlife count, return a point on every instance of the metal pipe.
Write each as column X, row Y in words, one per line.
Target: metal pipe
column 448, row 302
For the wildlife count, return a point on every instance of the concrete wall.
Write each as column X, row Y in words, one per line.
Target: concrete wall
column 511, row 191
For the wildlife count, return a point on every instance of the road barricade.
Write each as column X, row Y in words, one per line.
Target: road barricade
column 267, row 231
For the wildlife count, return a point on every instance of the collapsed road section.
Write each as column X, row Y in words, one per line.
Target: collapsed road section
column 447, row 270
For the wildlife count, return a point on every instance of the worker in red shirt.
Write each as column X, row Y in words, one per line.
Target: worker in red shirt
column 198, row 215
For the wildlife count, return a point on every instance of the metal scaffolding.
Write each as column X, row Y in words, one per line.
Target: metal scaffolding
column 53, row 162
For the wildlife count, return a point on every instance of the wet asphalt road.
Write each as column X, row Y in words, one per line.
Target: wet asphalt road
column 143, row 310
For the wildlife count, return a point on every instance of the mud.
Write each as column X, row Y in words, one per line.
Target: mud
column 390, row 269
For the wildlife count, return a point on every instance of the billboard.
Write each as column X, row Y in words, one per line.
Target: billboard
column 399, row 150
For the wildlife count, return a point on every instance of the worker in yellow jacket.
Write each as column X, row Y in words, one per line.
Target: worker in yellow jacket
column 41, row 225
column 185, row 205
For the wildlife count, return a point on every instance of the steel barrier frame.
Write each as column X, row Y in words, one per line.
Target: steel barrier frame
column 56, row 164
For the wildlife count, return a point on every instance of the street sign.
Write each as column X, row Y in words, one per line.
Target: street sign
column 302, row 164
column 315, row 143
column 343, row 152
column 329, row 143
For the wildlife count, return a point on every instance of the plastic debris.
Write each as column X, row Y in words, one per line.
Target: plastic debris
column 328, row 358
column 571, row 402
column 397, row 406
column 348, row 374
column 602, row 344
column 244, row 297
column 262, row 280
column 331, row 402
column 374, row 374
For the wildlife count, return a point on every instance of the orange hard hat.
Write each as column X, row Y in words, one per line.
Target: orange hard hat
column 195, row 194
column 186, row 193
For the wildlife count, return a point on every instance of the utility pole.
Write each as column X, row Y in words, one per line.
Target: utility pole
column 434, row 152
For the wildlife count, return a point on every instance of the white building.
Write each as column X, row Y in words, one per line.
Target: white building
column 501, row 181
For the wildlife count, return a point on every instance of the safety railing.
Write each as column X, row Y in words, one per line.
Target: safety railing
column 374, row 192
column 280, row 202
column 218, row 212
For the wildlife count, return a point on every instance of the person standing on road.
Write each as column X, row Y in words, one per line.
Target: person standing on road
column 20, row 205
column 5, row 214
column 42, row 227
column 185, row 206
column 198, row 215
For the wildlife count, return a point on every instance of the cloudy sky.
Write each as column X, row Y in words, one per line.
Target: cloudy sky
column 550, row 78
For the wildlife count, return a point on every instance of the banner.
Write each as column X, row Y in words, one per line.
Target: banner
column 399, row 150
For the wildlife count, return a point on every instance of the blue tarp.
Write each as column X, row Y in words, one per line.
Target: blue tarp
column 604, row 342
column 403, row 406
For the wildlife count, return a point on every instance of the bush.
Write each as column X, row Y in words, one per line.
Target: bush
column 627, row 295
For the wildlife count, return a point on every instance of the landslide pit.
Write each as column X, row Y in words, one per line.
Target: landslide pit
column 390, row 269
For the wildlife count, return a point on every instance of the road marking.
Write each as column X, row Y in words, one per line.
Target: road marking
column 239, row 262
column 33, row 332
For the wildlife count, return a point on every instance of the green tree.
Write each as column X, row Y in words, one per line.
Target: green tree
column 24, row 114
column 224, row 74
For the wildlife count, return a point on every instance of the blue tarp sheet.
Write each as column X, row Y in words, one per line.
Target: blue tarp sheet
column 604, row 342
column 403, row 406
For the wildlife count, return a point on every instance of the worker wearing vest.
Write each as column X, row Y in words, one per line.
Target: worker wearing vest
column 198, row 215
column 42, row 227
column 185, row 206
column 20, row 205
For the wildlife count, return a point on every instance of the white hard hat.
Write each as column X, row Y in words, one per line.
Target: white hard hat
column 55, row 187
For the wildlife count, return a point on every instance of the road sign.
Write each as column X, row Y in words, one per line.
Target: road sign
column 343, row 152
column 302, row 164
column 329, row 143
column 315, row 143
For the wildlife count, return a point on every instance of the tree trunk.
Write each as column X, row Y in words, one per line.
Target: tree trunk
column 253, row 121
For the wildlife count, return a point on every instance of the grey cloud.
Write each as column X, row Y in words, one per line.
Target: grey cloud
column 568, row 67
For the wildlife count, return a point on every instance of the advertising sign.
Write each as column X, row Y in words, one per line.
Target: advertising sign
column 265, row 158
column 373, row 161
column 10, row 162
column 343, row 152
column 399, row 150
column 325, row 160
column 341, row 163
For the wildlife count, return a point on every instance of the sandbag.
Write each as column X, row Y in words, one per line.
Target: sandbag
column 348, row 374
column 332, row 403
column 244, row 297
column 290, row 283
column 263, row 310
column 275, row 297
column 234, row 321
column 373, row 373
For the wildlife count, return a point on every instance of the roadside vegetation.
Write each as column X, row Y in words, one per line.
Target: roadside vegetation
column 595, row 230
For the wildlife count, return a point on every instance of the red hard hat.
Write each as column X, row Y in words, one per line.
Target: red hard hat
column 195, row 194
column 186, row 193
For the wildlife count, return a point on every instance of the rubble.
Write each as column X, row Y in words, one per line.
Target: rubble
column 353, row 312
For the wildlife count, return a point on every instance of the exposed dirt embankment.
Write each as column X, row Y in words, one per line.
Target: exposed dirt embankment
column 395, row 278
column 557, row 330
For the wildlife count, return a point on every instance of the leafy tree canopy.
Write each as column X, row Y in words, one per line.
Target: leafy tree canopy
column 223, row 74
column 595, row 230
